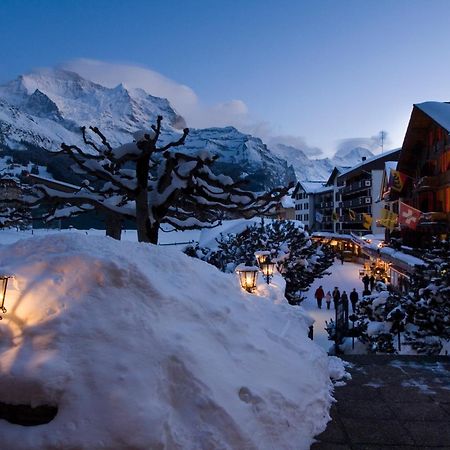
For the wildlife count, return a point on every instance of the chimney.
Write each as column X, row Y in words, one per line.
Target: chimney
column 364, row 158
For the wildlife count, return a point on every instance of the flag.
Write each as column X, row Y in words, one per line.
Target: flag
column 334, row 216
column 351, row 214
column 388, row 219
column 397, row 180
column 409, row 216
column 319, row 217
column 367, row 221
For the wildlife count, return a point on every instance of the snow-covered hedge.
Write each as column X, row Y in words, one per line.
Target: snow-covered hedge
column 298, row 259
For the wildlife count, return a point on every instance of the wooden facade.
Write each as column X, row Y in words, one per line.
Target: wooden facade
column 425, row 161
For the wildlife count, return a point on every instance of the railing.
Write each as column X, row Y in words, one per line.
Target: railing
column 360, row 201
column 363, row 184
column 435, row 181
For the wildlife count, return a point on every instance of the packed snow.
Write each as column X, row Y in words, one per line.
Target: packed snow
column 142, row 347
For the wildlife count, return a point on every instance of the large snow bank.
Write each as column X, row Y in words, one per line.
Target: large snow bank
column 142, row 347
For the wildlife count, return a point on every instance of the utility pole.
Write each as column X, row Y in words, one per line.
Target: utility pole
column 382, row 138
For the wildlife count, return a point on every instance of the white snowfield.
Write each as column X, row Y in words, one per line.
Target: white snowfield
column 142, row 347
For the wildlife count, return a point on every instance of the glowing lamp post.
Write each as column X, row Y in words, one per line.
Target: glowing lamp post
column 267, row 268
column 261, row 256
column 3, row 286
column 247, row 276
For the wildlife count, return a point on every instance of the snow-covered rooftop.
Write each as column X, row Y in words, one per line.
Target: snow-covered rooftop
column 311, row 186
column 369, row 160
column 438, row 111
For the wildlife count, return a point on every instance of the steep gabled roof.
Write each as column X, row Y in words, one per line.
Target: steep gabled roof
column 438, row 111
column 375, row 161
column 308, row 186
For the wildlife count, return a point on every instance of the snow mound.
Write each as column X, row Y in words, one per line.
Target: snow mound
column 142, row 347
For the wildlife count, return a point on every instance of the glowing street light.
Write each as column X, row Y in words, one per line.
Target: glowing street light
column 3, row 286
column 261, row 256
column 267, row 268
column 247, row 276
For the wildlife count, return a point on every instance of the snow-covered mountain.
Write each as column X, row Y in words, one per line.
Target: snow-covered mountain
column 47, row 107
column 319, row 169
column 351, row 157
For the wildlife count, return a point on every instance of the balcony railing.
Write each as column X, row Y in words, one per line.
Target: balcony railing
column 433, row 182
column 363, row 184
column 360, row 201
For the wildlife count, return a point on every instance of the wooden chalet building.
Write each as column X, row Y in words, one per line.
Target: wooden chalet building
column 359, row 191
column 425, row 163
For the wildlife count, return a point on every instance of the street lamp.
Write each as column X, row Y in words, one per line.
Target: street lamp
column 3, row 286
column 261, row 256
column 247, row 276
column 267, row 268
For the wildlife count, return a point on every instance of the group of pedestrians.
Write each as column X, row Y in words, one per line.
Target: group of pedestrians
column 368, row 281
column 337, row 298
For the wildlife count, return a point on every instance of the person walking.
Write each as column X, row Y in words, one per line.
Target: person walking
column 342, row 257
column 336, row 297
column 366, row 281
column 328, row 299
column 354, row 299
column 319, row 296
column 372, row 282
column 344, row 300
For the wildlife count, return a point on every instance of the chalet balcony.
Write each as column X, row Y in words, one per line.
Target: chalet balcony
column 433, row 182
column 360, row 201
column 435, row 217
column 359, row 185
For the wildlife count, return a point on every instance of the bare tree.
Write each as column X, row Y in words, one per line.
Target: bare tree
column 153, row 185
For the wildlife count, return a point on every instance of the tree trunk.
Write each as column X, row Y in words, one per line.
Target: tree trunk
column 113, row 224
column 142, row 209
column 142, row 219
column 152, row 233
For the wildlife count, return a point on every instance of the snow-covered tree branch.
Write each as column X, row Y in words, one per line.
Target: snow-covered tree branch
column 154, row 185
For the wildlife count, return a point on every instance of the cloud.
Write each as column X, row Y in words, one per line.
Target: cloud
column 296, row 142
column 132, row 76
column 372, row 143
column 182, row 97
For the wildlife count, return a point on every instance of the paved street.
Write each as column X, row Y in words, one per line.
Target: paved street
column 391, row 402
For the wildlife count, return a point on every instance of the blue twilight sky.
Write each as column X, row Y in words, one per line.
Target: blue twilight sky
column 314, row 73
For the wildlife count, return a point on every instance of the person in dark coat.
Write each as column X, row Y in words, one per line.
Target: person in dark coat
column 372, row 282
column 354, row 299
column 336, row 297
column 344, row 300
column 319, row 296
column 366, row 281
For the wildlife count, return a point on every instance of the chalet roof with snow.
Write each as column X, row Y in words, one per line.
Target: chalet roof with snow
column 310, row 187
column 374, row 163
column 437, row 111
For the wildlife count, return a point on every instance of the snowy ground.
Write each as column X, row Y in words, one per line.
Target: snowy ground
column 345, row 277
column 141, row 347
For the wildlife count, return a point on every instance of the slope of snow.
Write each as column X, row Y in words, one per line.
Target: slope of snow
column 319, row 169
column 305, row 168
column 351, row 157
column 143, row 347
